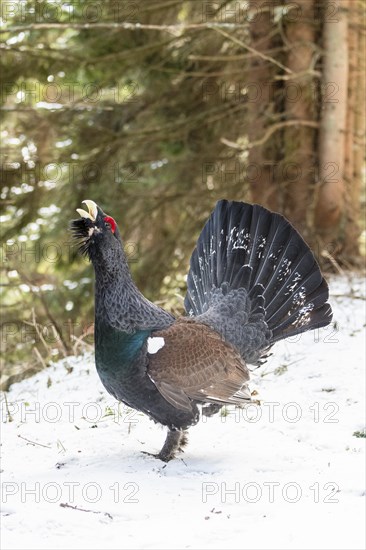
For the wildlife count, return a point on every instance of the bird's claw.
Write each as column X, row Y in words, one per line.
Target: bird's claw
column 160, row 456
column 174, row 443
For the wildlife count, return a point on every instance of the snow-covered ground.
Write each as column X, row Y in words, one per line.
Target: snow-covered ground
column 288, row 474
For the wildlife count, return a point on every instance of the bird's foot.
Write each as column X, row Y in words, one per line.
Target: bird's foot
column 175, row 441
column 157, row 455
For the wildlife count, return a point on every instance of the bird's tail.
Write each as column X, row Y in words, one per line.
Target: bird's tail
column 244, row 246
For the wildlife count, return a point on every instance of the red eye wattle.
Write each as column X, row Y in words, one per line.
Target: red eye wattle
column 110, row 221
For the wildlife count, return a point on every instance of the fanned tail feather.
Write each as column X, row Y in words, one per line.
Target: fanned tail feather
column 245, row 246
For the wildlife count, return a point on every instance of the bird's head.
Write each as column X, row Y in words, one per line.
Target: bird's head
column 98, row 236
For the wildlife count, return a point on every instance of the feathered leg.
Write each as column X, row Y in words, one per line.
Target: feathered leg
column 175, row 441
column 171, row 445
column 183, row 441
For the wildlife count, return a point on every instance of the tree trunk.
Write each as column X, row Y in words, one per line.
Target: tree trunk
column 308, row 127
column 331, row 185
column 299, row 141
column 356, row 128
column 263, row 159
column 351, row 185
column 360, row 109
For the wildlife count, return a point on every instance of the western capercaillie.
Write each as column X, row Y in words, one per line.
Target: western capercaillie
column 252, row 281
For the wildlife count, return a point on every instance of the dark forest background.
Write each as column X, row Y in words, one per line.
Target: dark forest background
column 155, row 110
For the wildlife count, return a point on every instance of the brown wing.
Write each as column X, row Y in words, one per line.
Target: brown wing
column 195, row 362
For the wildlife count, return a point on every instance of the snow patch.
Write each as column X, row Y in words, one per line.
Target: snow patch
column 257, row 477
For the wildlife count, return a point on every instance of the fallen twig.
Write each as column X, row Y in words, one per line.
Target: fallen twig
column 8, row 414
column 34, row 442
column 352, row 296
column 66, row 505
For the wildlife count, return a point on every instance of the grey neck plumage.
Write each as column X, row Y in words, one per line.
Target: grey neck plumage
column 120, row 305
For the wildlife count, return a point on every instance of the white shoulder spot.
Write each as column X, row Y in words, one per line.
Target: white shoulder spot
column 155, row 343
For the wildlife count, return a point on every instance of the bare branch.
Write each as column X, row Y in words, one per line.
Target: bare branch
column 308, row 72
column 39, row 357
column 333, row 261
column 178, row 28
column 271, row 130
column 253, row 50
column 228, row 57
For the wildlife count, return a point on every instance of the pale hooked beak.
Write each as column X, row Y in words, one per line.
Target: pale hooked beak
column 92, row 211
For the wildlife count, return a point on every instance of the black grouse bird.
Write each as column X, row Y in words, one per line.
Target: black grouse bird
column 252, row 281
